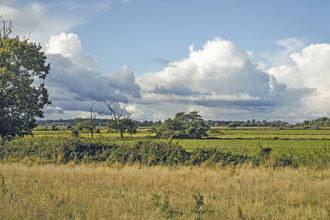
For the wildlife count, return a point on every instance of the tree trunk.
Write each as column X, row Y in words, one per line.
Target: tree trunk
column 92, row 134
column 121, row 134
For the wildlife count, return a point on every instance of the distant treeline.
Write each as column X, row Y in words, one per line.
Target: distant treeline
column 98, row 122
column 248, row 123
column 315, row 124
column 320, row 122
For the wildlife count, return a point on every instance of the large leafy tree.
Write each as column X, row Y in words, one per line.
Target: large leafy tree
column 21, row 99
column 185, row 126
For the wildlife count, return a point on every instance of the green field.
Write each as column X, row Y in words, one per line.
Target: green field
column 218, row 137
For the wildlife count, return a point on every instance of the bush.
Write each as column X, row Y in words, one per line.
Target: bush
column 183, row 126
column 151, row 152
column 75, row 133
column 54, row 128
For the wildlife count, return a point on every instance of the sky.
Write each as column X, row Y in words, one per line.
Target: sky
column 229, row 60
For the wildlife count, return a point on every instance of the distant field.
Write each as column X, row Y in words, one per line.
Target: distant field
column 219, row 137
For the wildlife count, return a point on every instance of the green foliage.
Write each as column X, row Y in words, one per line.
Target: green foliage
column 248, row 123
column 197, row 208
column 314, row 124
column 152, row 152
column 131, row 127
column 153, row 130
column 54, row 128
column 123, row 125
column 74, row 133
column 88, row 125
column 166, row 209
column 232, row 125
column 21, row 101
column 219, row 155
column 215, row 131
column 183, row 126
column 3, row 186
column 155, row 199
column 261, row 155
column 239, row 212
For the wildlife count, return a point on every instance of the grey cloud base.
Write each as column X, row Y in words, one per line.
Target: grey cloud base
column 75, row 79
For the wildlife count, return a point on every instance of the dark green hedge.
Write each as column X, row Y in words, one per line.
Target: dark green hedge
column 151, row 152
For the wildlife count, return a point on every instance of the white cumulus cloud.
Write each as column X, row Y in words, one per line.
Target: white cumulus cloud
column 307, row 71
column 224, row 82
column 218, row 75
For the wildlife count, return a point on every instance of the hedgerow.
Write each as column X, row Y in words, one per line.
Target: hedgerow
column 151, row 152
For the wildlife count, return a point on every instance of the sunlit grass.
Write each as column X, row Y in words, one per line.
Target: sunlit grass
column 129, row 192
column 103, row 190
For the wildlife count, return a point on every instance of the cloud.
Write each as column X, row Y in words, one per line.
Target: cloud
column 48, row 18
column 162, row 62
column 53, row 110
column 67, row 45
column 309, row 68
column 75, row 80
column 221, row 81
column 7, row 11
column 225, row 82
column 306, row 74
column 178, row 89
column 211, row 75
column 125, row 1
column 290, row 45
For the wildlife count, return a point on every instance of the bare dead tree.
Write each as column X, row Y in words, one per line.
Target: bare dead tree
column 5, row 30
column 119, row 119
column 93, row 116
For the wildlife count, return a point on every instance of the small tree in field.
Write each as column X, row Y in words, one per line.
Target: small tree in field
column 89, row 125
column 119, row 120
column 86, row 125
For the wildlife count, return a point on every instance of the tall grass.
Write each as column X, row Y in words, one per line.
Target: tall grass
column 158, row 192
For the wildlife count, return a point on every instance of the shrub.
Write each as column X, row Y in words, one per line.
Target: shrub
column 74, row 133
column 152, row 152
column 183, row 126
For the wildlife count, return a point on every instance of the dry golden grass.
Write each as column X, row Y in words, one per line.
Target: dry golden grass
column 125, row 192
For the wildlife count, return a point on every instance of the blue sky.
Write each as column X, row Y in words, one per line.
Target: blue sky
column 137, row 32
column 227, row 59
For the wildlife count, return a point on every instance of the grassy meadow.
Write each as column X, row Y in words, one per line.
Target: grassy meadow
column 140, row 192
column 242, row 173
